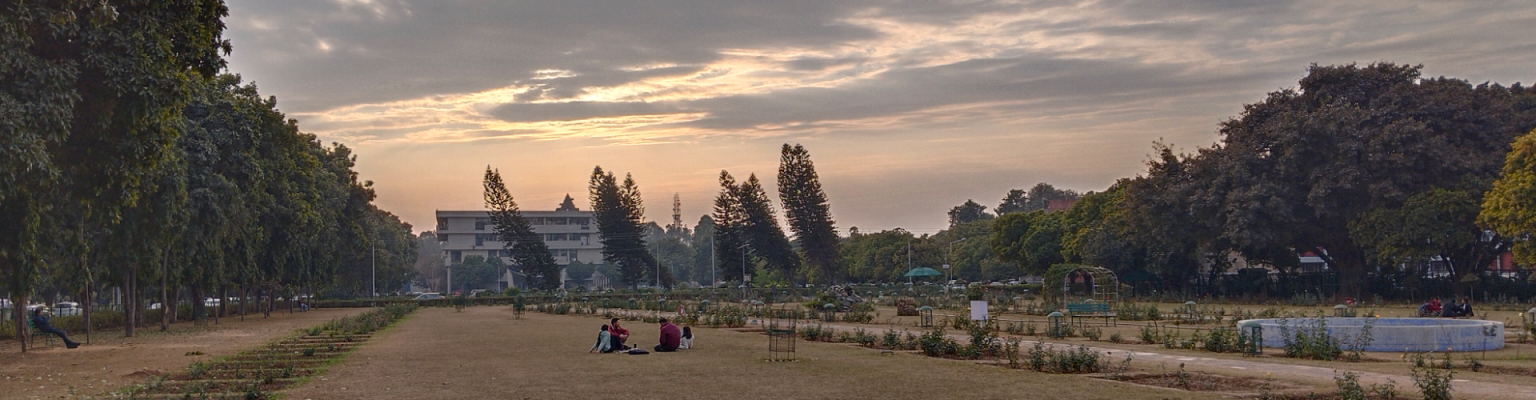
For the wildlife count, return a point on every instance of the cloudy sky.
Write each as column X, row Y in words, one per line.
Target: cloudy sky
column 907, row 107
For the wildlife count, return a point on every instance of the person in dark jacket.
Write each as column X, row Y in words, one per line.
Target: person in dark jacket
column 670, row 336
column 40, row 320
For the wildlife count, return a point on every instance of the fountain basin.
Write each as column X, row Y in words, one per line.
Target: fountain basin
column 1390, row 334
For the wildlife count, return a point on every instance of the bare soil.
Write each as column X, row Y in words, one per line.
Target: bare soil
column 110, row 361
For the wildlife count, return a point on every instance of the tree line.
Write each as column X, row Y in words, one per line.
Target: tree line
column 131, row 161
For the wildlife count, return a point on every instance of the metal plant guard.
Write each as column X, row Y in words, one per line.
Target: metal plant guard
column 1055, row 330
column 925, row 316
column 829, row 312
column 781, row 337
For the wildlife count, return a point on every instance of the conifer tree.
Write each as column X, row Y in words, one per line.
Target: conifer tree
column 528, row 251
column 728, row 236
column 810, row 217
column 619, row 212
column 760, row 226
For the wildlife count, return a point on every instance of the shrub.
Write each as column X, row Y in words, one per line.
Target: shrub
column 1148, row 335
column 935, row 344
column 1434, row 384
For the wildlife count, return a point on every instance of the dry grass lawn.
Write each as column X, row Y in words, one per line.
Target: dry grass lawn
column 484, row 352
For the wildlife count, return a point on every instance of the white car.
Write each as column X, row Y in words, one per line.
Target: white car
column 66, row 308
column 428, row 296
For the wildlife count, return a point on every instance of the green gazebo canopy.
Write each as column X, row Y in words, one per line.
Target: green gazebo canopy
column 923, row 271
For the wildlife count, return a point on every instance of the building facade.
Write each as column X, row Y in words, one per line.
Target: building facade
column 570, row 234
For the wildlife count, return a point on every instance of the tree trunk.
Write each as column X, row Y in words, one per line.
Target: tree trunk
column 166, row 308
column 245, row 298
column 128, row 296
column 90, row 303
column 19, row 312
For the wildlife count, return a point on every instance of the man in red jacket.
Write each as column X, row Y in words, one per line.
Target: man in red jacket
column 670, row 335
column 618, row 335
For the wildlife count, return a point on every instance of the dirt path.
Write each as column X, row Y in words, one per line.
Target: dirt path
column 111, row 361
column 1303, row 373
column 484, row 353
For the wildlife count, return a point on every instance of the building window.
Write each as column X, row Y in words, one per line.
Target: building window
column 481, row 223
column 456, row 256
column 535, row 221
column 442, row 224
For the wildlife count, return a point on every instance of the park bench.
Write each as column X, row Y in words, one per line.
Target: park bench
column 1091, row 310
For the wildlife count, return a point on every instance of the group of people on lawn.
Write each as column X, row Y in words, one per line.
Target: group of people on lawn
column 612, row 338
column 1433, row 308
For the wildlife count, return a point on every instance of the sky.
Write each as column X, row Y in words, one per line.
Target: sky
column 908, row 108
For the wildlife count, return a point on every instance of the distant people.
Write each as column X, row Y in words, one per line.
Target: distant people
column 618, row 335
column 604, row 342
column 670, row 337
column 1458, row 310
column 687, row 341
column 40, row 320
column 1430, row 308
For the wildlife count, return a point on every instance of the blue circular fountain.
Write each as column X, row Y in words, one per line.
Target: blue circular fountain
column 1390, row 334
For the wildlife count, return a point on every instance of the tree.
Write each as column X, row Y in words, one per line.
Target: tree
column 1437, row 223
column 1037, row 198
column 1509, row 208
column 704, row 251
column 619, row 212
column 528, row 251
column 967, row 212
column 90, row 107
column 477, row 272
column 760, row 227
column 806, row 208
column 429, row 259
column 1032, row 239
column 730, row 222
column 1293, row 171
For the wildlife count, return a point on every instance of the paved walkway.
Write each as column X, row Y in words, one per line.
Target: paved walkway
column 1460, row 387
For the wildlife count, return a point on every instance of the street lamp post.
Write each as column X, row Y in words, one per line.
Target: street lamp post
column 946, row 258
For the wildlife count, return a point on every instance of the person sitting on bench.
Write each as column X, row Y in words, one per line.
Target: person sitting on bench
column 40, row 320
column 669, row 337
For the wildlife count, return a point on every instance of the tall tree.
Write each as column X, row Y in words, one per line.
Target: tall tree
column 704, row 251
column 529, row 253
column 619, row 213
column 1509, row 208
column 90, row 107
column 730, row 236
column 806, row 208
column 760, row 227
column 967, row 212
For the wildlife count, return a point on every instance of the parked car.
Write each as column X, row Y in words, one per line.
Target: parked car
column 66, row 308
column 428, row 296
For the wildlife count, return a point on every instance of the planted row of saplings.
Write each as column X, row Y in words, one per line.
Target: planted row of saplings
column 260, row 373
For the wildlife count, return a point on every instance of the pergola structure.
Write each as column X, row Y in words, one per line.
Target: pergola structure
column 1101, row 285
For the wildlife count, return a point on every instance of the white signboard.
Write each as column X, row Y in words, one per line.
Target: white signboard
column 978, row 310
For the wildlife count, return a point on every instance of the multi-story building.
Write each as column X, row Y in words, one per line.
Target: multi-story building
column 570, row 234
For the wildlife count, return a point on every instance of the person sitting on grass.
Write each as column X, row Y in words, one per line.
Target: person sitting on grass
column 1457, row 310
column 40, row 320
column 670, row 337
column 617, row 335
column 604, row 342
column 687, row 340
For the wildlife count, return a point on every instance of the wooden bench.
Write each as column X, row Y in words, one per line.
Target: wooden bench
column 1092, row 310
